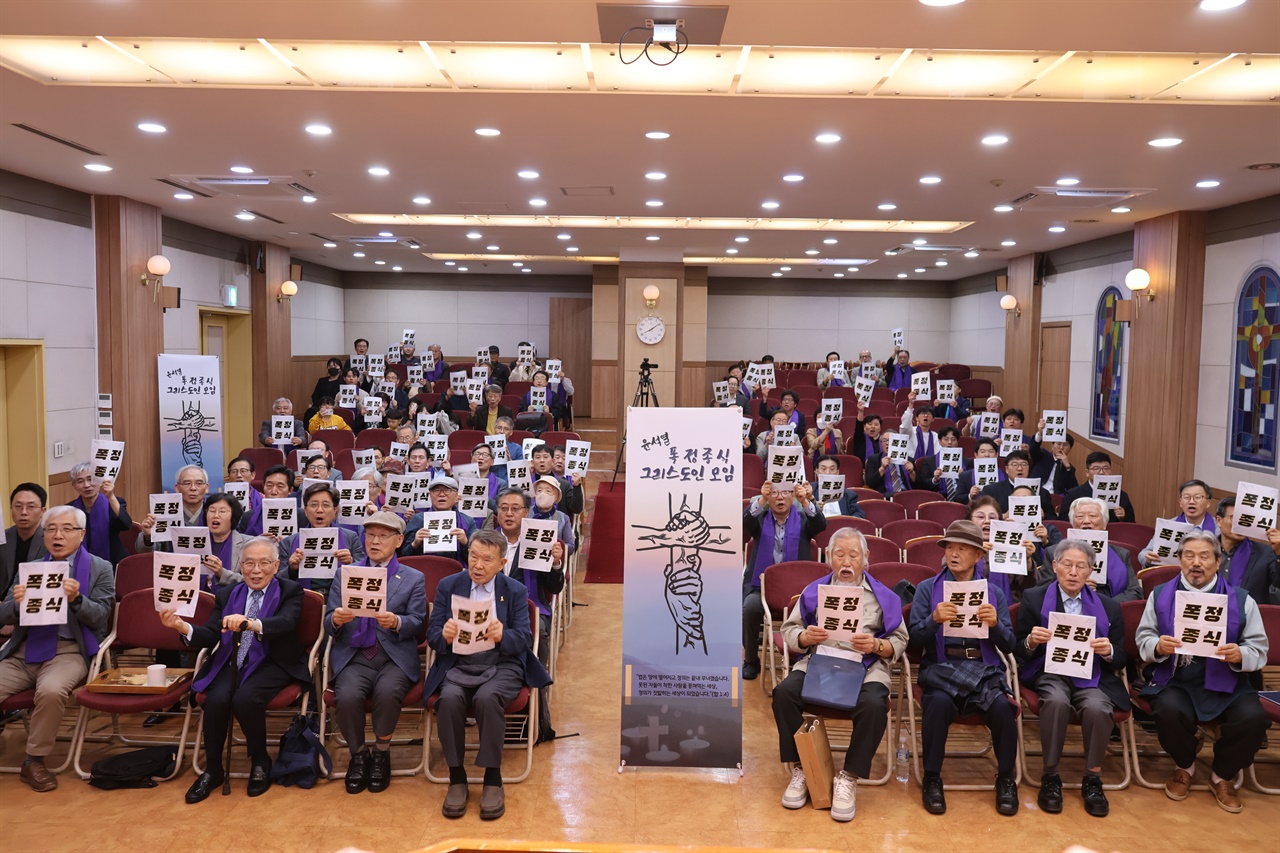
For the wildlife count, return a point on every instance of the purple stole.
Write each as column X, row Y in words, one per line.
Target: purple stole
column 494, row 485
column 869, row 448
column 899, row 377
column 890, row 609
column 1090, row 605
column 223, row 553
column 42, row 640
column 98, row 542
column 990, row 656
column 236, row 604
column 1207, row 525
column 251, row 524
column 835, row 382
column 1239, row 562
column 902, row 472
column 951, row 412
column 1117, row 573
column 764, row 546
column 920, row 443
column 1218, row 675
column 794, row 420
column 364, row 628
column 434, row 374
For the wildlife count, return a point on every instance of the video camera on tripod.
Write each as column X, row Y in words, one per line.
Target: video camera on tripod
column 646, row 366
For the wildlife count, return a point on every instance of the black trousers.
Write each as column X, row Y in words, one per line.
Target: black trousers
column 362, row 679
column 940, row 711
column 487, row 703
column 1240, row 729
column 870, row 718
column 544, row 657
column 752, row 624
column 250, row 707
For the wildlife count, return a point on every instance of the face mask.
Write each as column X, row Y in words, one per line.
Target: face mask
column 333, row 371
column 544, row 500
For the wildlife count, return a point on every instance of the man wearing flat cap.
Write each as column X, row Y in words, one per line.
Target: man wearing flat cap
column 443, row 493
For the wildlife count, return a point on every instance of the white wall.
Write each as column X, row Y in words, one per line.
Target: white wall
column 1225, row 267
column 977, row 326
column 805, row 328
column 201, row 278
column 459, row 321
column 48, row 291
column 1074, row 296
column 317, row 317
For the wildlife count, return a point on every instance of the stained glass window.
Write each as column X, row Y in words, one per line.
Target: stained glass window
column 1108, row 358
column 1256, row 371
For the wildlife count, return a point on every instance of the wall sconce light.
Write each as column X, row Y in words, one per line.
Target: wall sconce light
column 1139, row 281
column 288, row 289
column 651, row 294
column 1009, row 303
column 158, row 267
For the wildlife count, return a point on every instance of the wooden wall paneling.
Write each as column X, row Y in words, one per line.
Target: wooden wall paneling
column 570, row 341
column 130, row 336
column 604, row 343
column 995, row 375
column 693, row 334
column 272, row 329
column 633, row 278
column 1055, row 367
column 1083, row 447
column 1164, row 351
column 1022, row 337
column 606, row 389
column 304, row 370
column 62, row 492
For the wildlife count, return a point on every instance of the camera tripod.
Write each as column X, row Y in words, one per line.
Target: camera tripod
column 646, row 396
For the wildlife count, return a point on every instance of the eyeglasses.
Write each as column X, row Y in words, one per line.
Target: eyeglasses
column 380, row 537
column 1100, row 469
column 186, row 484
column 1194, row 498
column 65, row 531
column 1073, row 567
column 258, row 564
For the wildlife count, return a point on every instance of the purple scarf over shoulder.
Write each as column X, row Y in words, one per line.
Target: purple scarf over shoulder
column 1207, row 524
column 236, row 604
column 42, row 640
column 1218, row 675
column 251, row 524
column 1117, row 573
column 364, row 629
column 990, row 656
column 764, row 547
column 890, row 608
column 1239, row 562
column 899, row 377
column 924, row 447
column 98, row 541
column 222, row 552
column 1090, row 605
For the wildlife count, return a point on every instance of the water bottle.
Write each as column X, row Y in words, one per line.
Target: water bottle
column 903, row 757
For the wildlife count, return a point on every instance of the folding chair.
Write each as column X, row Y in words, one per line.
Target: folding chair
column 780, row 584
column 942, row 512
column 1271, row 622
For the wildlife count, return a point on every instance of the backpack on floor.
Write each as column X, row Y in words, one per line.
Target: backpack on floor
column 301, row 755
column 138, row 768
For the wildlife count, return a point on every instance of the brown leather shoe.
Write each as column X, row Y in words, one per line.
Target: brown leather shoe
column 41, row 779
column 1225, row 793
column 1179, row 785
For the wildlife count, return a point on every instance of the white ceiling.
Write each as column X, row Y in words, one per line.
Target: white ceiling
column 726, row 155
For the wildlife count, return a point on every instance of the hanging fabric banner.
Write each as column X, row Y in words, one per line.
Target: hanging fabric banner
column 190, row 415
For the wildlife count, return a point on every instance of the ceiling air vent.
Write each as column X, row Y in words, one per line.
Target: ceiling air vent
column 587, row 191
column 256, row 187
column 58, row 139
column 1075, row 198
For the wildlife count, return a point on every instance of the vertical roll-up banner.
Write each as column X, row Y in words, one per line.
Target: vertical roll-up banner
column 682, row 594
column 190, row 415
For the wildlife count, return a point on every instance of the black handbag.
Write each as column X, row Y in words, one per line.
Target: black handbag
column 302, row 756
column 833, row 681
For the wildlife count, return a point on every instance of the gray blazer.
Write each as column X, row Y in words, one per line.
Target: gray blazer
column 9, row 555
column 407, row 598
column 91, row 608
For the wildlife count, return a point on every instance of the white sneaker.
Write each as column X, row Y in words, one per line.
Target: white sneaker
column 844, row 797
column 797, row 793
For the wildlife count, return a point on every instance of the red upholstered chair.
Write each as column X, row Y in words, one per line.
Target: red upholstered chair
column 346, row 414
column 465, row 439
column 133, row 573
column 974, row 388
column 925, row 551
column 900, row 396
column 1130, row 531
column 434, row 569
column 458, row 456
column 343, row 461
column 336, row 438
column 803, row 376
column 952, row 371
column 442, row 386
column 518, row 388
column 779, row 586
column 938, row 424
column 890, row 573
column 851, row 467
column 838, row 522
column 914, row 499
column 605, row 553
column 138, row 626
column 902, row 532
column 511, row 401
column 376, row 438
column 864, row 494
column 968, row 444
column 882, row 511
column 881, row 550
column 881, row 394
column 844, row 392
column 808, row 392
column 1271, row 624
column 887, row 410
column 1062, row 526
column 943, row 512
column 261, row 457
column 1156, row 575
column 129, row 538
column 752, row 471
column 554, row 437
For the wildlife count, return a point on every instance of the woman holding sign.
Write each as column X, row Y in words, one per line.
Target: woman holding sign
column 222, row 514
column 108, row 516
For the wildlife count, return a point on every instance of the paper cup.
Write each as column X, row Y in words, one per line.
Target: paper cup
column 156, row 675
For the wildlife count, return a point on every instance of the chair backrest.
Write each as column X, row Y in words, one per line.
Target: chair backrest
column 262, row 459
column 886, row 410
column 465, row 439
column 803, row 376
column 865, row 494
column 839, row 522
column 311, row 623
column 518, row 387
column 952, row 371
column 808, row 392
column 1132, row 612
column 539, row 422
column 881, row 394
column 1156, row 575
column 782, row 582
column 434, row 569
column 925, row 551
column 913, row 500
column 1131, row 531
column 851, row 467
column 346, row 414
column 882, row 511
column 441, row 386
column 902, row 532
column 974, row 388
column 1271, row 624
column 343, row 461
column 129, row 538
column 336, row 438
column 376, row 438
column 511, row 401
column 752, row 470
column 1062, row 526
column 890, row 573
column 900, row 395
column 808, row 407
column 881, row 550
column 559, row 437
column 943, row 512
column 939, row 424
column 458, row 456
column 138, row 624
column 135, row 572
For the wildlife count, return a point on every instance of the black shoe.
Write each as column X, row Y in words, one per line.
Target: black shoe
column 750, row 671
column 259, row 780
column 358, row 772
column 379, row 770
column 157, row 719
column 931, row 794
column 203, row 787
column 1095, row 801
column 1050, row 798
column 1006, row 795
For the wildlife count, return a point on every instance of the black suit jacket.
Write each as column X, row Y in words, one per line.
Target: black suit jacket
column 9, row 555
column 1002, row 489
column 1261, row 573
column 875, row 480
column 479, row 419
column 1086, row 491
column 848, row 502
column 1109, row 681
column 1063, row 480
column 279, row 632
column 813, row 525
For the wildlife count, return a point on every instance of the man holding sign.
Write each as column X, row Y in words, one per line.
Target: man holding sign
column 1187, row 690
column 1248, row 564
column 107, row 514
column 374, row 656
column 282, row 408
column 54, row 658
column 1046, row 650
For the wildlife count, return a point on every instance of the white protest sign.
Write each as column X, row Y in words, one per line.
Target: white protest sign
column 498, row 448
column 348, row 396
column 438, row 527
column 416, row 373
column 967, row 596
column 393, row 354
column 473, row 617
column 364, row 589
column 1106, row 488
column 838, row 373
column 473, row 496
column 372, row 407
column 399, row 491
column 166, row 509
column 457, row 382
column 832, row 411
column 839, row 612
column 1068, row 651
column 437, row 447
column 363, row 458
column 986, row 471
column 784, row 434
column 1026, row 511
column 481, row 372
column 518, row 474
column 409, row 338
column 107, row 458
column 1055, row 425
column 377, row 365
column 527, row 446
column 921, row 385
column 863, row 387
column 830, row 487
column 359, row 362
column 746, row 427
column 305, row 455
column 951, row 462
column 427, row 424
column 45, row 602
column 352, row 513
column 281, row 429
column 1027, row 483
column 524, row 353
column 986, row 425
column 279, row 517
column 947, row 391
column 554, row 367
column 319, row 546
column 721, row 392
column 899, row 338
column 785, row 468
column 1169, row 534
column 577, row 456
column 1255, row 510
column 399, row 450
column 1008, row 560
column 356, row 491
column 1007, row 533
column 899, row 445
column 537, row 538
column 191, row 540
column 429, row 361
column 1199, row 622
column 475, row 391
column 1010, row 441
column 1097, row 540
column 537, row 398
column 470, row 469
column 239, row 491
column 175, row 582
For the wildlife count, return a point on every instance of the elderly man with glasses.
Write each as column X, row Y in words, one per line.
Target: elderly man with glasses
column 192, row 483
column 1194, row 498
column 281, row 407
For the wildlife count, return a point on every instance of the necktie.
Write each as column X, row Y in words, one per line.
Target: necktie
column 1053, row 473
column 949, row 484
column 247, row 640
column 895, row 478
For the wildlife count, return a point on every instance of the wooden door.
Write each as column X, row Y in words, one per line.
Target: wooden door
column 570, row 341
column 1055, row 368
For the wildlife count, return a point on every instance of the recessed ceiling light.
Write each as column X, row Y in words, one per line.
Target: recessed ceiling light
column 770, row 205
column 919, row 241
column 380, row 263
column 1057, row 229
column 853, row 269
column 319, row 129
column 831, row 241
column 1219, row 5
column 526, row 269
column 450, row 263
column 742, row 239
column 571, row 248
column 731, row 251
column 888, row 205
column 811, row 251
column 1008, row 242
column 488, row 131
column 971, row 254
column 183, row 196
column 902, row 275
column 309, row 199
column 517, row 263
column 995, row 139
column 242, row 170
column 791, row 179
column 1207, row 185
column 538, row 202
column 491, row 248
column 656, row 176
column 653, row 202
column 941, row 2
column 658, row 134
column 777, row 275
column 652, row 237
column 474, row 235
column 1002, row 208
column 97, row 167
column 462, row 269
column 564, row 236
column 827, row 138
column 1067, row 182
column 357, row 254
column 1165, row 142
column 839, row 275
column 379, row 171
column 384, row 234
column 397, row 269
column 1120, row 209
column 151, row 127
column 330, row 245
column 920, row 269
column 245, row 215
column 785, row 269
column 422, row 199
column 528, row 174
column 939, row 263
column 931, row 179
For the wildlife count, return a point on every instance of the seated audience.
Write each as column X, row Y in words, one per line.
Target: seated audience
column 327, row 385
column 557, row 396
column 324, row 418
column 789, row 400
column 24, row 539
column 542, row 464
column 929, row 469
column 847, row 504
column 282, row 406
column 482, row 458
column 823, row 439
column 1122, row 582
column 993, row 405
column 484, row 416
column 866, row 436
column 1053, row 469
column 506, row 426
column 320, row 510
column 192, row 483
column 826, row 377
column 222, row 514
column 887, row 477
column 1247, row 564
column 1194, row 498
column 898, row 370
column 769, row 438
column 1017, row 466
column 107, row 514
column 241, row 470
column 966, row 488
column 443, row 494
column 1098, row 464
